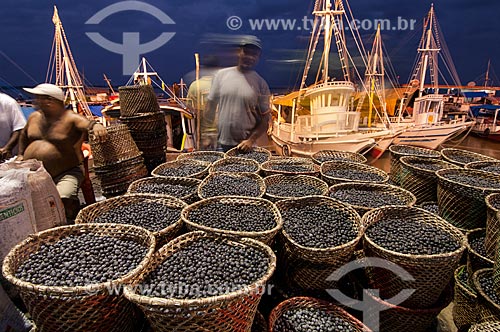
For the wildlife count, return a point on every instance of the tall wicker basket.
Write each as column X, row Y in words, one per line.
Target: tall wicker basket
column 137, row 99
column 398, row 151
column 231, row 312
column 462, row 157
column 475, row 260
column 492, row 224
column 431, row 273
column 82, row 308
column 465, row 300
column 488, row 309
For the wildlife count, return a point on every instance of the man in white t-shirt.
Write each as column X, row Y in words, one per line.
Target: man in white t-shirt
column 11, row 122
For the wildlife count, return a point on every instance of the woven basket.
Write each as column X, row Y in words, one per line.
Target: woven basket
column 175, row 164
column 137, row 99
column 313, row 303
column 225, row 313
column 82, row 308
column 262, row 155
column 219, row 165
column 231, row 191
column 406, row 197
column 462, row 157
column 266, row 236
column 486, row 327
column 464, row 302
column 430, row 206
column 137, row 186
column 461, row 204
column 259, row 323
column 120, row 165
column 496, row 266
column 205, row 156
column 431, row 273
column 492, row 224
column 120, row 187
column 396, row 318
column 346, row 165
column 310, row 268
column 118, row 147
column 152, row 122
column 332, row 155
column 279, row 166
column 488, row 310
column 487, row 166
column 89, row 213
column 476, row 261
column 398, row 151
column 420, row 181
column 296, row 180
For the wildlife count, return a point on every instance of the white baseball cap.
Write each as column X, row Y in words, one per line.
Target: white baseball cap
column 46, row 89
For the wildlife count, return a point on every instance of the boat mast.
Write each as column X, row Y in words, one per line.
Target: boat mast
column 487, row 75
column 431, row 51
column 67, row 75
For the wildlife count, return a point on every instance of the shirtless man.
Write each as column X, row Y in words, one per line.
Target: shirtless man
column 54, row 136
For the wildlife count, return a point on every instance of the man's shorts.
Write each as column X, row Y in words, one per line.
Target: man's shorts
column 68, row 183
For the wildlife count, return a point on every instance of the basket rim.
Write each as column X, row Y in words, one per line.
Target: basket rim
column 472, row 232
column 477, row 285
column 357, row 219
column 191, row 155
column 315, row 167
column 406, row 160
column 442, row 172
column 432, row 153
column 130, row 293
column 165, row 179
column 374, row 185
column 278, row 220
column 175, row 162
column 236, row 160
column 293, row 177
column 446, row 151
column 348, row 153
column 376, row 170
column 459, row 284
column 452, row 228
column 472, row 165
column 489, row 199
column 170, row 200
column 88, row 289
column 229, row 153
column 253, row 176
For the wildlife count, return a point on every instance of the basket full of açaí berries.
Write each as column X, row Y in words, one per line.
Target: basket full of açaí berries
column 71, row 278
column 220, row 292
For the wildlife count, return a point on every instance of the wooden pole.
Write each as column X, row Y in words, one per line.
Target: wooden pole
column 198, row 101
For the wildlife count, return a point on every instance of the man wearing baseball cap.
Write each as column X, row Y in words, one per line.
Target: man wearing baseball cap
column 54, row 135
column 242, row 99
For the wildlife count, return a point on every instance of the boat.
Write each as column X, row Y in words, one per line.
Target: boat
column 425, row 125
column 487, row 121
column 323, row 115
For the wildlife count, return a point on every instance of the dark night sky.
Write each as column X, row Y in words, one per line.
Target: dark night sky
column 470, row 28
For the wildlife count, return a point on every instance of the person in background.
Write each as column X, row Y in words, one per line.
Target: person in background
column 12, row 121
column 54, row 135
column 241, row 97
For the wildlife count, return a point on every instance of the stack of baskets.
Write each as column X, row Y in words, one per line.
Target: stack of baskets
column 99, row 307
column 117, row 161
column 140, row 111
column 398, row 151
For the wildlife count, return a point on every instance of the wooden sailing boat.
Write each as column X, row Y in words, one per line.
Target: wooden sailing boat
column 425, row 127
column 332, row 122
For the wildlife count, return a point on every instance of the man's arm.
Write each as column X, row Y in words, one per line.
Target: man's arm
column 85, row 125
column 6, row 150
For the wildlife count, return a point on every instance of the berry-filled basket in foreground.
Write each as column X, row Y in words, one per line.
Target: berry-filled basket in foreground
column 232, row 184
column 308, row 314
column 159, row 214
column 364, row 197
column 71, row 277
column 281, row 186
column 332, row 155
column 257, row 153
column 188, row 168
column 461, row 196
column 398, row 151
column 290, row 166
column 203, row 282
column 462, row 157
column 420, row 242
column 335, row 172
column 319, row 235
column 185, row 189
column 236, row 216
